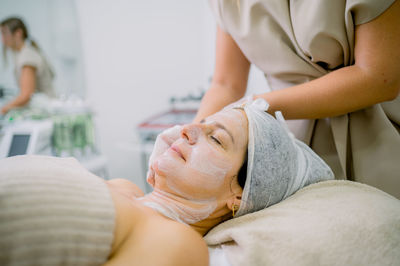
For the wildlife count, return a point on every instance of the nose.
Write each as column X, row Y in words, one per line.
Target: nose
column 192, row 132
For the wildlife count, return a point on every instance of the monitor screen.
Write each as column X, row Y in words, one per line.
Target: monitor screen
column 19, row 145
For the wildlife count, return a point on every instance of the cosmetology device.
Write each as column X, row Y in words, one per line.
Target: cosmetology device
column 29, row 137
column 65, row 130
column 26, row 137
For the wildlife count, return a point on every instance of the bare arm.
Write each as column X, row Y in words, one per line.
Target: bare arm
column 374, row 78
column 27, row 85
column 229, row 82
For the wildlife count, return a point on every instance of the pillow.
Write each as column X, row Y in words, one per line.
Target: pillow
column 329, row 223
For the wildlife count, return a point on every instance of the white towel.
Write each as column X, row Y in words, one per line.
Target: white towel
column 328, row 223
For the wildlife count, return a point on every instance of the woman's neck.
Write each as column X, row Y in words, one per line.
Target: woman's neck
column 19, row 44
column 201, row 215
column 206, row 225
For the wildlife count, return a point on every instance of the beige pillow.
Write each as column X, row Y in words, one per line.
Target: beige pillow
column 328, row 223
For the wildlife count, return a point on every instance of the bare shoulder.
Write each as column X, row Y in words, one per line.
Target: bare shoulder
column 191, row 247
column 179, row 244
column 165, row 243
column 125, row 187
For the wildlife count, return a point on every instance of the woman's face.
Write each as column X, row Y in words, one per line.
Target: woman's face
column 204, row 162
column 8, row 38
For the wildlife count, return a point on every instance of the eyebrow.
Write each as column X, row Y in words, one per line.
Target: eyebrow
column 221, row 126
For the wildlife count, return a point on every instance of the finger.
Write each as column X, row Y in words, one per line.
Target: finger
column 150, row 177
column 160, row 146
column 172, row 134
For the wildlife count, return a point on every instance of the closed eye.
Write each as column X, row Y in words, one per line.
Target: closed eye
column 216, row 140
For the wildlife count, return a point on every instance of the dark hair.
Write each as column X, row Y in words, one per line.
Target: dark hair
column 242, row 175
column 14, row 24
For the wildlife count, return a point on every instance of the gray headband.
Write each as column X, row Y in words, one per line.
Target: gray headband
column 278, row 164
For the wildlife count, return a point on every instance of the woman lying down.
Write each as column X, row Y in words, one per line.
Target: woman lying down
column 237, row 161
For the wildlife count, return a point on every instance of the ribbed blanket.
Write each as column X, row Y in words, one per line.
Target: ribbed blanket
column 53, row 212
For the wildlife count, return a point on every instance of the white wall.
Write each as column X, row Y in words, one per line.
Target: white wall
column 137, row 54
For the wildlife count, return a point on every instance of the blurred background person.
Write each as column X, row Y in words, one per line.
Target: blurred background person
column 32, row 70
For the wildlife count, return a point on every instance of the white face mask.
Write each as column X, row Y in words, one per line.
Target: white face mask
column 188, row 212
column 198, row 168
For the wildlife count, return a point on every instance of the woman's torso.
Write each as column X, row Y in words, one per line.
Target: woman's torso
column 293, row 42
column 29, row 56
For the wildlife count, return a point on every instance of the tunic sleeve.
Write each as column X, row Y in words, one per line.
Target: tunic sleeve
column 217, row 12
column 29, row 57
column 364, row 11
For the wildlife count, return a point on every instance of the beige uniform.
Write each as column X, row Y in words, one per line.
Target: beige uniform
column 294, row 42
column 29, row 56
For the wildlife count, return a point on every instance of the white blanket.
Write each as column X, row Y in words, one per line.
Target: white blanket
column 328, row 223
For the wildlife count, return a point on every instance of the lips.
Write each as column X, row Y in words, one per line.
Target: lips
column 175, row 149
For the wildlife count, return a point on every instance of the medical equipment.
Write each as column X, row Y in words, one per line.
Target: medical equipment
column 73, row 135
column 62, row 128
column 150, row 128
column 27, row 137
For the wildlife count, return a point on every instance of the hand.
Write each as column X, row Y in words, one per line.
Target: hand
column 5, row 109
column 241, row 102
column 163, row 142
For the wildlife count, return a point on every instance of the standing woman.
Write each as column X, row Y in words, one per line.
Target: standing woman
column 332, row 66
column 32, row 71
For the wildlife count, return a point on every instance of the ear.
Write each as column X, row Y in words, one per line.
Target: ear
column 235, row 200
